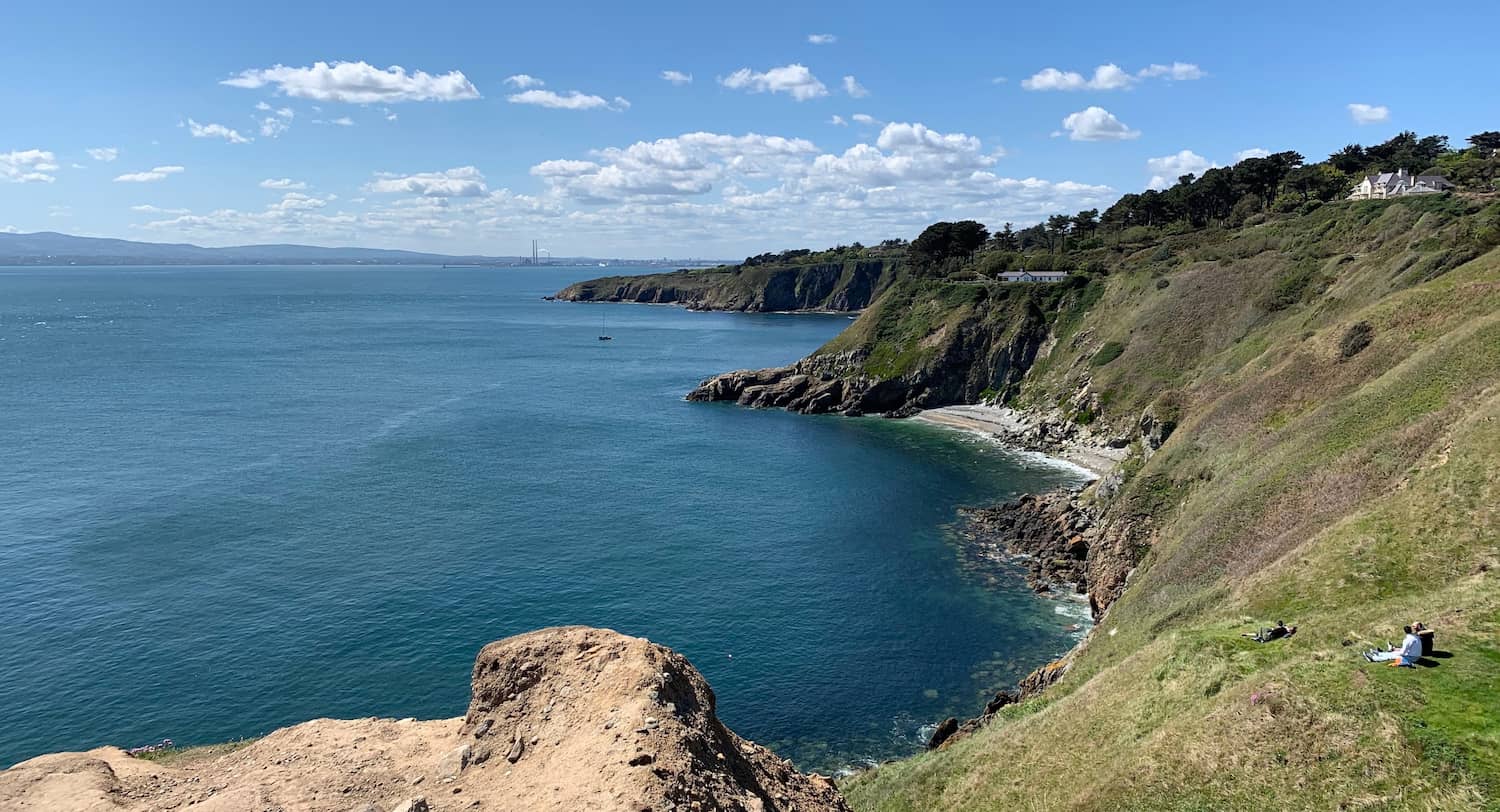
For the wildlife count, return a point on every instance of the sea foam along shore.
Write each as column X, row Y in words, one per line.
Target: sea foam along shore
column 1024, row 432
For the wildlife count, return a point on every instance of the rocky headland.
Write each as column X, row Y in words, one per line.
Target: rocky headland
column 828, row 284
column 570, row 718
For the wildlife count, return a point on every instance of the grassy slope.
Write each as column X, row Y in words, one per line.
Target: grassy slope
column 906, row 328
column 1349, row 496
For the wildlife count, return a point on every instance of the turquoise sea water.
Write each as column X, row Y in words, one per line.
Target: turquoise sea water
column 237, row 498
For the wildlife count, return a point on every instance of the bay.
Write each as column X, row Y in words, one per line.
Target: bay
column 233, row 499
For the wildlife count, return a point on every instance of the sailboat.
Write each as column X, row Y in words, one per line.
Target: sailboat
column 602, row 335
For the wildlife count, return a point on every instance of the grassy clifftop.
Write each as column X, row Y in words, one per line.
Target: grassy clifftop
column 1335, row 377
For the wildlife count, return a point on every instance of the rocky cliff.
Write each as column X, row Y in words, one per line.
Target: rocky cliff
column 835, row 285
column 924, row 343
column 560, row 719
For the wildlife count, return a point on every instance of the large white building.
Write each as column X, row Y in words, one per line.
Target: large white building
column 1398, row 184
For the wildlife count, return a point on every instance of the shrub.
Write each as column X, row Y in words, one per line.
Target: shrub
column 1161, row 284
column 1109, row 352
column 1356, row 338
column 1292, row 285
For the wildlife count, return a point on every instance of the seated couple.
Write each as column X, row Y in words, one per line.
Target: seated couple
column 1418, row 641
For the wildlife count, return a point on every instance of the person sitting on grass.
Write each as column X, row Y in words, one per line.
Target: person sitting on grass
column 1276, row 632
column 1407, row 655
column 1426, row 635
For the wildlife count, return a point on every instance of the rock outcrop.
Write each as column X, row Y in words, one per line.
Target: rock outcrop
column 1063, row 542
column 819, row 384
column 568, row 718
column 979, row 356
column 1049, row 532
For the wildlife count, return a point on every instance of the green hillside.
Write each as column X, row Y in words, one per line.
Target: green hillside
column 1335, row 375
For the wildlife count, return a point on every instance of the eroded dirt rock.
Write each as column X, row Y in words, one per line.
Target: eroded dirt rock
column 569, row 718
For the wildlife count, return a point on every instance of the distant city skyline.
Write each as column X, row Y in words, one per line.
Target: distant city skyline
column 682, row 131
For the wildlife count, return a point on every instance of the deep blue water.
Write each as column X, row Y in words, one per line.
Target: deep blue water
column 233, row 499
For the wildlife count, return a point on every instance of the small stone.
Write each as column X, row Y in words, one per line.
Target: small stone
column 484, row 727
column 417, row 804
column 454, row 763
column 516, row 749
column 642, row 759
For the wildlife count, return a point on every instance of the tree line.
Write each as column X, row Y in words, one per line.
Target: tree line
column 1281, row 182
column 1285, row 182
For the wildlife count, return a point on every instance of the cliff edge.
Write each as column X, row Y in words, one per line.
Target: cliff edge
column 569, row 718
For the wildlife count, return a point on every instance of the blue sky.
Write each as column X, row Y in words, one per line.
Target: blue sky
column 228, row 125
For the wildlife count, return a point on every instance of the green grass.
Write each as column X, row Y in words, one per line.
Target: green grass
column 1346, row 495
column 179, row 756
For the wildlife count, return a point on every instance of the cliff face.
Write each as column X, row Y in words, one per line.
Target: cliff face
column 833, row 286
column 921, row 346
column 559, row 719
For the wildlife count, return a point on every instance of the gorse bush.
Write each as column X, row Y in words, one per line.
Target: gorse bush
column 1355, row 339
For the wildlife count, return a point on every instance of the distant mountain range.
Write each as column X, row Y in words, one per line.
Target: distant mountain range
column 51, row 248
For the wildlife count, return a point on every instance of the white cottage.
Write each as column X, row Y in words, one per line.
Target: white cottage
column 1033, row 276
column 1398, row 184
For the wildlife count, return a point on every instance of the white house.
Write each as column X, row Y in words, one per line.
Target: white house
column 1033, row 276
column 1398, row 184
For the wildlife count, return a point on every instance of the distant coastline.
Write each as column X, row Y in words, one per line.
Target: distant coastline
column 52, row 249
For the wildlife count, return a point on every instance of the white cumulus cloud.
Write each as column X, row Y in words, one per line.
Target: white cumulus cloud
column 215, row 131
column 794, row 79
column 1175, row 72
column 282, row 183
column 822, row 39
column 1109, row 77
column 572, row 100
column 1106, row 77
column 677, row 77
column 105, row 154
column 854, row 88
column 463, row 181
column 358, row 83
column 1253, row 152
column 1369, row 113
column 150, row 175
column 1097, row 124
column 1167, row 169
column 523, row 81
column 838, row 121
column 786, row 190
column 864, row 118
column 28, row 166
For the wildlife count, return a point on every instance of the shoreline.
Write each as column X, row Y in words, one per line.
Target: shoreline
column 1012, row 429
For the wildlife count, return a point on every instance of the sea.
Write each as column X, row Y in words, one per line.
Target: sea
column 236, row 498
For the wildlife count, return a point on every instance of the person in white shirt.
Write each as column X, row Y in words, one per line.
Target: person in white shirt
column 1407, row 654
